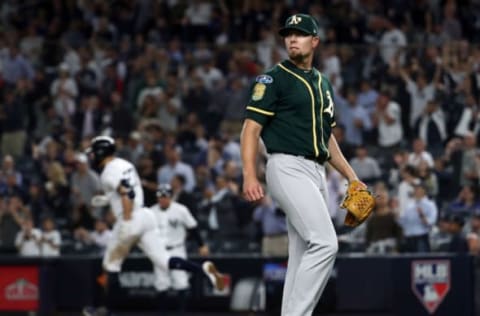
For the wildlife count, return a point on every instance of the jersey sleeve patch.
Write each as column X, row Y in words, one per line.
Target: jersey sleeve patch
column 258, row 91
column 265, row 79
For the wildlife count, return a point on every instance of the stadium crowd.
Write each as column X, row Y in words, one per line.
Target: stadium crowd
column 169, row 79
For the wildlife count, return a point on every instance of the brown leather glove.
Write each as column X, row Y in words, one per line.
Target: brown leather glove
column 359, row 203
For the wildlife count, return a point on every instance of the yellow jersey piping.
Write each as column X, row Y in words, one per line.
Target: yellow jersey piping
column 254, row 109
column 321, row 113
column 312, row 97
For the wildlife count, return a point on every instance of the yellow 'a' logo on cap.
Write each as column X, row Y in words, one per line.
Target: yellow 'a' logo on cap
column 295, row 20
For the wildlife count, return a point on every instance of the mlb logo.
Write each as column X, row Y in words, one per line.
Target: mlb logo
column 431, row 282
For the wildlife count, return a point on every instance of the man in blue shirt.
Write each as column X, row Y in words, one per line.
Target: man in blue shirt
column 418, row 219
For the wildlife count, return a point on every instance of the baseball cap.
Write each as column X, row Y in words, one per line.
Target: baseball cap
column 164, row 190
column 301, row 22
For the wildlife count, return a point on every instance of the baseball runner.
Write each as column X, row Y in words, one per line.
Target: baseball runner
column 135, row 224
column 175, row 221
column 291, row 108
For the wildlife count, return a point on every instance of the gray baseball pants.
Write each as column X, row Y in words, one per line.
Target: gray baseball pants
column 299, row 186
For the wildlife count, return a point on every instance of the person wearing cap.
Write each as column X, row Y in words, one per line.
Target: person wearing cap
column 458, row 244
column 85, row 182
column 176, row 223
column 418, row 219
column 291, row 109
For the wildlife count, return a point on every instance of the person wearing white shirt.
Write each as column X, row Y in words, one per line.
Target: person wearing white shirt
column 420, row 154
column 418, row 219
column 64, row 90
column 387, row 118
column 405, row 188
column 28, row 239
column 392, row 42
column 175, row 223
column 101, row 235
column 51, row 240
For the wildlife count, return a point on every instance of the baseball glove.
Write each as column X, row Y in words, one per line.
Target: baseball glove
column 359, row 203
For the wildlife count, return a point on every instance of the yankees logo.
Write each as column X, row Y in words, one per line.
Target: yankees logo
column 295, row 20
column 173, row 223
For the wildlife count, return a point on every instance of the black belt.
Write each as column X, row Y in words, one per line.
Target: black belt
column 314, row 159
column 308, row 157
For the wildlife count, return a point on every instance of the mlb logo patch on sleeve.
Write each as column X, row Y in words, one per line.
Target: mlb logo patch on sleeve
column 264, row 79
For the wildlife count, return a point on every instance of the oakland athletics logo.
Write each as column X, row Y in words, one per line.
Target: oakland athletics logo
column 329, row 108
column 295, row 20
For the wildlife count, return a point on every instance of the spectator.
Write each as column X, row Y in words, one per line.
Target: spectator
column 419, row 154
column 387, row 118
column 151, row 89
column 209, row 73
column 468, row 165
column 383, row 233
column 400, row 158
column 85, row 182
column 421, row 92
column 367, row 96
column 365, row 166
column 466, row 203
column 332, row 67
column 393, row 40
column 170, row 107
column 117, row 117
column 451, row 27
column 57, row 191
column 28, row 239
column 439, row 235
column 101, row 235
column 88, row 118
column 16, row 66
column 12, row 216
column 427, row 176
column 36, row 201
column 473, row 236
column 64, row 90
column 234, row 108
column 431, row 129
column 183, row 197
column 51, row 241
column 355, row 118
column 148, row 176
column 221, row 208
column 458, row 243
column 417, row 220
column 174, row 166
column 197, row 19
column 273, row 225
column 12, row 120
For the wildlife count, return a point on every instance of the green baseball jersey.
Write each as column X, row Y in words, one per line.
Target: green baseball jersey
column 296, row 111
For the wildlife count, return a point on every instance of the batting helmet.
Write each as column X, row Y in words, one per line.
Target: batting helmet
column 164, row 190
column 101, row 147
